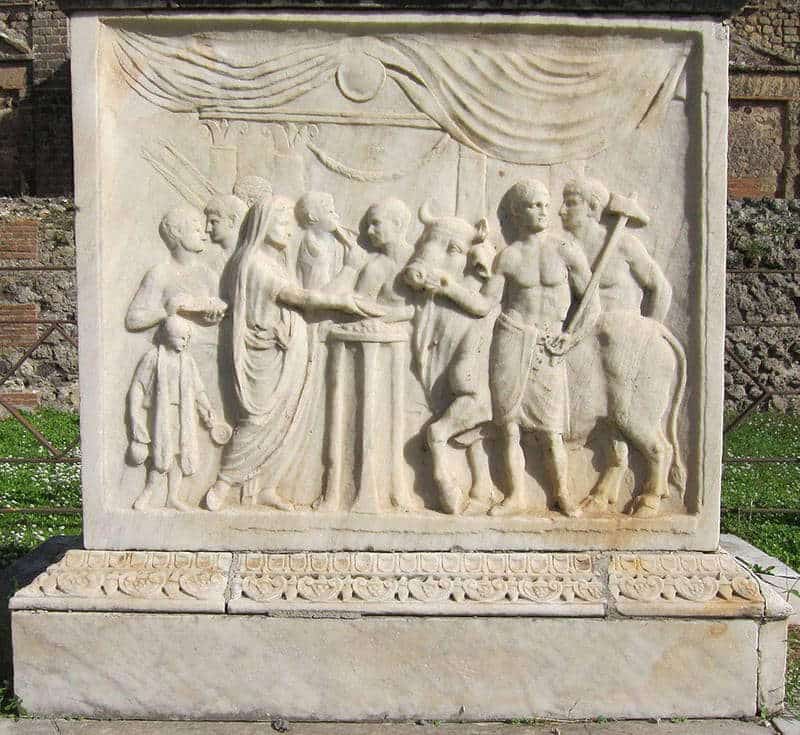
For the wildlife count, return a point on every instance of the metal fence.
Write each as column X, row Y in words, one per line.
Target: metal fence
column 765, row 394
column 48, row 331
column 66, row 329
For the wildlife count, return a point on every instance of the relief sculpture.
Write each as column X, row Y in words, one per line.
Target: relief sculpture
column 451, row 348
column 164, row 402
column 270, row 347
column 482, row 361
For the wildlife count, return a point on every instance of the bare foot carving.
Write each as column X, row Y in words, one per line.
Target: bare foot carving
column 270, row 498
column 513, row 506
column 596, row 504
column 405, row 502
column 482, row 500
column 178, row 504
column 326, row 504
column 566, row 505
column 144, row 501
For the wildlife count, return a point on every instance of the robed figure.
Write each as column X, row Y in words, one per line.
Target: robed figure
column 272, row 375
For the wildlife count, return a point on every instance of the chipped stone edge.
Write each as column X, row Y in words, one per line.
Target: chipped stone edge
column 131, row 581
column 532, row 584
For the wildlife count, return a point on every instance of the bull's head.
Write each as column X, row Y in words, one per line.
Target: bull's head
column 450, row 248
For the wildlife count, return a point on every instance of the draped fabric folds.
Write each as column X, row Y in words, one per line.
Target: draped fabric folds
column 270, row 360
column 541, row 100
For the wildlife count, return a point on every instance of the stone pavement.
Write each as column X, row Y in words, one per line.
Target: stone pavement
column 687, row 727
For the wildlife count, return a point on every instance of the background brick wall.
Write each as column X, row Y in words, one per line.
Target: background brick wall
column 37, row 291
column 36, row 158
column 35, row 115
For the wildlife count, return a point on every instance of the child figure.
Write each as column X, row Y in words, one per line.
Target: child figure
column 165, row 395
column 321, row 253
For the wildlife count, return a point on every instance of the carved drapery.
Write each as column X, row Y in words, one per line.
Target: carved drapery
column 585, row 98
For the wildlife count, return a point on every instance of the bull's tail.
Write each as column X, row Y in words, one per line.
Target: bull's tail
column 677, row 470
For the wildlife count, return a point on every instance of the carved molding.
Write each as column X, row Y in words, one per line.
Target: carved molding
column 433, row 578
column 669, row 580
column 131, row 580
column 593, row 584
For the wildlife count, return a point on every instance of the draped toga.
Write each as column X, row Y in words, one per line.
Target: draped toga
column 270, row 365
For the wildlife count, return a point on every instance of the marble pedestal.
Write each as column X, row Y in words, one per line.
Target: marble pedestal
column 534, row 361
column 370, row 636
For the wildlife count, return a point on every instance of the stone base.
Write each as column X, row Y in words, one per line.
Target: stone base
column 370, row 636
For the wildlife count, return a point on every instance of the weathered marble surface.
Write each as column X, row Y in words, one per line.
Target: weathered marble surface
column 370, row 635
column 359, row 282
column 682, row 727
column 590, row 584
column 145, row 581
column 255, row 667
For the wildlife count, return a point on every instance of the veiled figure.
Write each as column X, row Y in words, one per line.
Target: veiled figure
column 271, row 362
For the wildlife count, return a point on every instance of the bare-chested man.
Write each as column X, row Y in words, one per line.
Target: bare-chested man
column 537, row 278
column 385, row 225
column 631, row 278
column 182, row 285
column 631, row 282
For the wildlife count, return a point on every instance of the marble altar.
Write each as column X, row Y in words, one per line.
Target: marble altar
column 393, row 316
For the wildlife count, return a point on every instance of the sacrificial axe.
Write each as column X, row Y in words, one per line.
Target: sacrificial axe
column 626, row 209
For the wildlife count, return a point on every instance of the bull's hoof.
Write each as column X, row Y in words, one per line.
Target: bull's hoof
column 594, row 505
column 647, row 506
column 454, row 501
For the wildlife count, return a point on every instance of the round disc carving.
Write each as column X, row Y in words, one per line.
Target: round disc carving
column 360, row 77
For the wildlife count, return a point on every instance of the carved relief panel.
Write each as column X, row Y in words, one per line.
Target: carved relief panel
column 356, row 282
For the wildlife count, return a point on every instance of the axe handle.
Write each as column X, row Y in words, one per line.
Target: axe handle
column 594, row 281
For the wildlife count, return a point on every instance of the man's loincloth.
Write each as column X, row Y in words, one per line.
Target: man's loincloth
column 527, row 387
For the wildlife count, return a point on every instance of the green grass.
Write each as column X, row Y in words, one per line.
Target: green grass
column 764, row 485
column 793, row 673
column 35, row 485
column 761, row 484
column 21, row 533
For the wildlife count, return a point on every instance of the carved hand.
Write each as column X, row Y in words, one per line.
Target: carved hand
column 366, row 307
column 179, row 302
column 208, row 416
column 437, row 282
column 214, row 311
column 559, row 344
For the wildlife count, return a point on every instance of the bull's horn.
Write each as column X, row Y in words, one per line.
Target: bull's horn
column 425, row 214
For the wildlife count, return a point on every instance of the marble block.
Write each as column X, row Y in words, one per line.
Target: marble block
column 373, row 636
column 400, row 282
column 401, row 347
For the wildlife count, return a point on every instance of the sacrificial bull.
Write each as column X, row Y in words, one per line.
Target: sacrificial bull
column 451, row 353
column 629, row 375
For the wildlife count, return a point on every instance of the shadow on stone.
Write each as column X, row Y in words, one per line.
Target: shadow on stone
column 19, row 574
